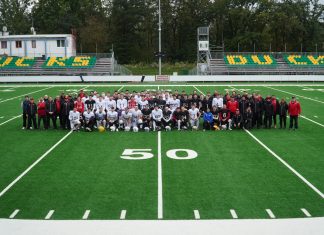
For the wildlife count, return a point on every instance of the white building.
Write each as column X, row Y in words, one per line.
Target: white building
column 42, row 45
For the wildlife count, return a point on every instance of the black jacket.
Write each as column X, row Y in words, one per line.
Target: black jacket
column 257, row 106
column 66, row 107
column 282, row 109
column 50, row 106
column 268, row 108
column 32, row 109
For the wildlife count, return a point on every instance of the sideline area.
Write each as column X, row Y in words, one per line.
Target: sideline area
column 144, row 227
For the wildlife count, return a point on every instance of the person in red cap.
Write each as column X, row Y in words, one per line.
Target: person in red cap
column 294, row 111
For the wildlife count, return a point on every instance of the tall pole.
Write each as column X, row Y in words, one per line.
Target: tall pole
column 160, row 40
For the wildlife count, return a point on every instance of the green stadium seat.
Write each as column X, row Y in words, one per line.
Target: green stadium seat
column 72, row 62
column 16, row 62
column 303, row 60
column 250, row 60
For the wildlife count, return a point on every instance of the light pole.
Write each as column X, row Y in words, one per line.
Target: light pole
column 160, row 40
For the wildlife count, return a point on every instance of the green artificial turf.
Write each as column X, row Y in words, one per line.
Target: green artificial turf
column 232, row 171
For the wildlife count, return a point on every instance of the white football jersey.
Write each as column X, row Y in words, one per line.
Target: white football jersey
column 112, row 116
column 142, row 104
column 174, row 103
column 122, row 104
column 136, row 114
column 218, row 102
column 101, row 115
column 88, row 116
column 193, row 113
column 111, row 104
column 126, row 116
column 74, row 115
column 100, row 104
column 157, row 114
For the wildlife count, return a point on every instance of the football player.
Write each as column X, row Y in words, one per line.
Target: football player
column 167, row 118
column 74, row 118
column 112, row 118
column 208, row 120
column 126, row 119
column 146, row 117
column 89, row 119
column 225, row 118
column 100, row 104
column 248, row 118
column 215, row 114
column 194, row 116
column 111, row 104
column 157, row 118
column 136, row 117
column 90, row 104
column 237, row 120
column 101, row 117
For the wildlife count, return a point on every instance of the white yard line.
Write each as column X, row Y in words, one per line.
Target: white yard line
column 196, row 213
column 270, row 213
column 86, row 214
column 199, row 90
column 308, row 119
column 2, row 101
column 34, row 164
column 10, row 119
column 120, row 88
column 160, row 192
column 306, row 212
column 14, row 214
column 123, row 214
column 301, row 96
column 49, row 214
column 286, row 164
column 233, row 213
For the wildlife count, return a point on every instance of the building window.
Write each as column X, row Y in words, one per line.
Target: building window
column 33, row 42
column 3, row 44
column 18, row 44
column 60, row 43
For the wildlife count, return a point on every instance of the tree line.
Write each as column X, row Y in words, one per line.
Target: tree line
column 130, row 27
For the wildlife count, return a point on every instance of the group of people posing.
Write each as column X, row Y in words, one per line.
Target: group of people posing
column 159, row 110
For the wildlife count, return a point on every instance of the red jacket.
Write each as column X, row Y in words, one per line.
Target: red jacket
column 58, row 106
column 294, row 108
column 232, row 106
column 41, row 109
column 79, row 105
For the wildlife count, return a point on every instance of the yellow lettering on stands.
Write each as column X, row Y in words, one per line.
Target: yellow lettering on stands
column 6, row 62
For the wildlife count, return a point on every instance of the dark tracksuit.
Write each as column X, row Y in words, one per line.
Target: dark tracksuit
column 243, row 105
column 32, row 111
column 51, row 108
column 237, row 121
column 257, row 108
column 282, row 111
column 25, row 111
column 268, row 113
column 248, row 118
column 65, row 111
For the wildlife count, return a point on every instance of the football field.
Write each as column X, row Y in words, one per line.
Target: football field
column 187, row 175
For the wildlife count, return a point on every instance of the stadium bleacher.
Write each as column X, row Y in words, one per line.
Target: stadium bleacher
column 221, row 63
column 72, row 62
column 302, row 60
column 58, row 66
column 250, row 60
column 16, row 62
